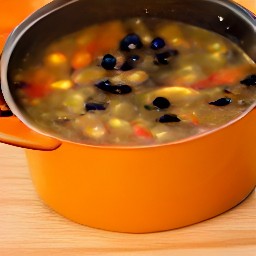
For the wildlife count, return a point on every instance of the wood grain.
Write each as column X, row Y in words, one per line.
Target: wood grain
column 29, row 228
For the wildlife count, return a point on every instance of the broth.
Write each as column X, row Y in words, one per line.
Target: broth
column 136, row 82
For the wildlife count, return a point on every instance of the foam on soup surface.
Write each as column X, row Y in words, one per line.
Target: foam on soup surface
column 136, row 82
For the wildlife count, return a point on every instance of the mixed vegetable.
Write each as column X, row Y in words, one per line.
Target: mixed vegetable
column 136, row 82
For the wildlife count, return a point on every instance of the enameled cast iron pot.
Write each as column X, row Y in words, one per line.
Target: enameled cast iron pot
column 144, row 189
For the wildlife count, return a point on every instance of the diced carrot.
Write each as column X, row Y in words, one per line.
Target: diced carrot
column 195, row 119
column 110, row 35
column 222, row 77
column 81, row 59
column 92, row 48
column 87, row 35
column 37, row 90
column 192, row 118
column 100, row 41
column 141, row 131
column 107, row 38
column 38, row 83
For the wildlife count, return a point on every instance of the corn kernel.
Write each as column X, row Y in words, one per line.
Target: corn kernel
column 95, row 132
column 173, row 36
column 55, row 60
column 116, row 123
column 218, row 47
column 120, row 128
column 62, row 85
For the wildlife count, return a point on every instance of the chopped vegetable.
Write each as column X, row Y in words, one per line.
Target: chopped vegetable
column 134, row 82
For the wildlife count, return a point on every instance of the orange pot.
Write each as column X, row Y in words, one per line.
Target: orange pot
column 146, row 189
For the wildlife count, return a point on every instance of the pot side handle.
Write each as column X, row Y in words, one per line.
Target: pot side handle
column 14, row 132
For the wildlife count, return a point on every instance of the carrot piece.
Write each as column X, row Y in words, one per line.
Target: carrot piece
column 223, row 77
column 97, row 42
column 38, row 83
column 191, row 117
column 107, row 38
column 81, row 59
column 141, row 131
column 37, row 90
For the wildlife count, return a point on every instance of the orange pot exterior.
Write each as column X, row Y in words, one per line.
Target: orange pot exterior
column 149, row 189
column 13, row 12
column 14, row 132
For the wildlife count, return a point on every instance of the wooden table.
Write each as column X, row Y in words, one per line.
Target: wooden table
column 28, row 227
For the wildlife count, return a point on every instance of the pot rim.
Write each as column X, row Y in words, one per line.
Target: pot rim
column 56, row 5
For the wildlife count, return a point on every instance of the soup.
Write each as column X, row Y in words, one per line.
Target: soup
column 135, row 82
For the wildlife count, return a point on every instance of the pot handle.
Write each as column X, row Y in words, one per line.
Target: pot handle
column 14, row 132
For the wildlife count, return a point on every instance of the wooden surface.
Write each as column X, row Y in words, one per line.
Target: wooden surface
column 28, row 227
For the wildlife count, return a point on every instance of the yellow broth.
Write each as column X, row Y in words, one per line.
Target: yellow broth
column 136, row 82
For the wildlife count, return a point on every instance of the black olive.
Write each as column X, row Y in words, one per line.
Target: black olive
column 134, row 58
column 94, row 106
column 126, row 66
column 108, row 62
column 130, row 63
column 131, row 42
column 104, row 85
column 157, row 43
column 161, row 103
column 120, row 89
column 169, row 118
column 221, row 102
column 249, row 80
column 163, row 58
column 114, row 89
